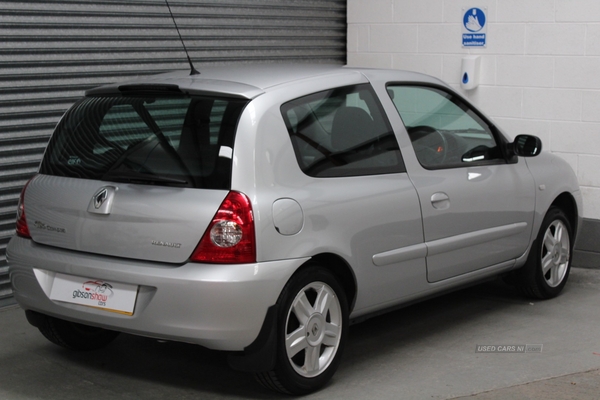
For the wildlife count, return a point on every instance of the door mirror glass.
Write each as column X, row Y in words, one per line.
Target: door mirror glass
column 527, row 146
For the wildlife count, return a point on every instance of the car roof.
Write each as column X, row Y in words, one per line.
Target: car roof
column 244, row 80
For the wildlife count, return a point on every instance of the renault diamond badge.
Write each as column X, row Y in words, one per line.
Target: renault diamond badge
column 102, row 200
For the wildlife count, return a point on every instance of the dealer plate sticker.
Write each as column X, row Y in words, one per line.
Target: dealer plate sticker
column 109, row 296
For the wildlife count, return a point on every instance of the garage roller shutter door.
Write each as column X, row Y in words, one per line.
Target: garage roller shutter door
column 51, row 51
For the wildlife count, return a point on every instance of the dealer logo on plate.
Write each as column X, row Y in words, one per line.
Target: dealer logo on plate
column 95, row 290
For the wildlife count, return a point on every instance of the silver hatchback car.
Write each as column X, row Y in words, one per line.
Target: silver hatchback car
column 260, row 209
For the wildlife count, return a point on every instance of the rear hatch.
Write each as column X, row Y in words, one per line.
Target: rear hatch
column 137, row 175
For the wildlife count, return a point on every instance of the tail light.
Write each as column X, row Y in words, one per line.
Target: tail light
column 230, row 237
column 22, row 228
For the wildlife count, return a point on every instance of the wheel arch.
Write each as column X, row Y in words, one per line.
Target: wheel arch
column 341, row 270
column 566, row 202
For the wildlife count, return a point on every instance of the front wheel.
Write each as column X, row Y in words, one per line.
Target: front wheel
column 312, row 331
column 549, row 263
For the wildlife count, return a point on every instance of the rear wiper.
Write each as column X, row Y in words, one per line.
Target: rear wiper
column 139, row 177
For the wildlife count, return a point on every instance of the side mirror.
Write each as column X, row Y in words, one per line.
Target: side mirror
column 526, row 146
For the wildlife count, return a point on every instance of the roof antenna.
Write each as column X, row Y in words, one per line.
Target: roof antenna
column 193, row 71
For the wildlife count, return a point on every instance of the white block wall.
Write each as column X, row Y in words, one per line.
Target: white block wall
column 540, row 71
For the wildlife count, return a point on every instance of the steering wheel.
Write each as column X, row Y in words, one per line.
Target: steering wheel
column 429, row 144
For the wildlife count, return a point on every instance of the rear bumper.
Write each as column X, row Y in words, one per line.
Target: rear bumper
column 221, row 307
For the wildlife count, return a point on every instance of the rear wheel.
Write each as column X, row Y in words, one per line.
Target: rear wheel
column 549, row 263
column 75, row 336
column 312, row 331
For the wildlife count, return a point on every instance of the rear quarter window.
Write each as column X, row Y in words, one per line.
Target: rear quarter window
column 342, row 132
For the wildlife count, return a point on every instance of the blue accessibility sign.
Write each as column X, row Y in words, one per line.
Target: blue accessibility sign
column 474, row 32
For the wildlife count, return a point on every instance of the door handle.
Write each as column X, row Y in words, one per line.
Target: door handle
column 440, row 201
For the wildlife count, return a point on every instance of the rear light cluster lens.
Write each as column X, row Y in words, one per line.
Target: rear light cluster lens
column 226, row 233
column 230, row 236
column 22, row 228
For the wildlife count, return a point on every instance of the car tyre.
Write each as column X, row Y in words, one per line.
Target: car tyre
column 311, row 333
column 547, row 269
column 75, row 336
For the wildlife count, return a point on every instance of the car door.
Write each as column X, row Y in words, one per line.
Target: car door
column 477, row 205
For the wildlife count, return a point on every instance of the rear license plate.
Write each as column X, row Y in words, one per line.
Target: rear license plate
column 109, row 296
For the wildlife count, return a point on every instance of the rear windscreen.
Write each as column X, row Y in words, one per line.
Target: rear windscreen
column 170, row 141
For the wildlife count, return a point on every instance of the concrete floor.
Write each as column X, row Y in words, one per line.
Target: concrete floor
column 426, row 351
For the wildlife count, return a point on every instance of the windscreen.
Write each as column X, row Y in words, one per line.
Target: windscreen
column 168, row 141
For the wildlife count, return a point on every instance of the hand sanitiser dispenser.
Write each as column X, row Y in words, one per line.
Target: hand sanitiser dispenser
column 469, row 78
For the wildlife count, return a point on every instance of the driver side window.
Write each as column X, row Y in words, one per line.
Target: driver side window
column 444, row 131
